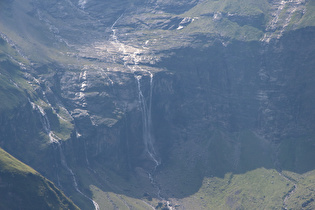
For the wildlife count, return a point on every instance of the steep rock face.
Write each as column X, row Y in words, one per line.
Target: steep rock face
column 251, row 81
column 246, row 86
column 106, row 112
column 22, row 135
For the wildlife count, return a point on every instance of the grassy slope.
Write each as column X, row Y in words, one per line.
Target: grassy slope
column 11, row 96
column 224, row 26
column 241, row 7
column 304, row 195
column 260, row 189
column 309, row 17
column 257, row 189
column 250, row 187
column 22, row 187
column 23, row 26
column 111, row 190
column 243, row 20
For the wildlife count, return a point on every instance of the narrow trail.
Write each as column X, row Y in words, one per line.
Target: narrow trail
column 148, row 204
column 124, row 201
column 290, row 193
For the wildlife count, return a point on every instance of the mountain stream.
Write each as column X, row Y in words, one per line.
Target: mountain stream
column 55, row 140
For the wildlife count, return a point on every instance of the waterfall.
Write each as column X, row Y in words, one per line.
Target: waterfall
column 56, row 141
column 74, row 179
column 145, row 107
column 45, row 122
column 114, row 30
column 148, row 140
column 86, row 157
column 147, row 120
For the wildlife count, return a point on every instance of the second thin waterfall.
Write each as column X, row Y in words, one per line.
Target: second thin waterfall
column 147, row 120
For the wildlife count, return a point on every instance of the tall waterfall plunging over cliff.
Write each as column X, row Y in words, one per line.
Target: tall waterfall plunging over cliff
column 147, row 120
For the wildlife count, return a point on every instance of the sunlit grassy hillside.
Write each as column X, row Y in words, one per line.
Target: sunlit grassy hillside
column 21, row 187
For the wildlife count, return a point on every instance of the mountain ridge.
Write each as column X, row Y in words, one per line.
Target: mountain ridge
column 23, row 187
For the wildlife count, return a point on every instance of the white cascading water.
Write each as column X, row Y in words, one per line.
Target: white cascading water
column 114, row 30
column 86, row 157
column 147, row 130
column 45, row 122
column 147, row 120
column 75, row 183
column 146, row 110
column 82, row 3
column 55, row 140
